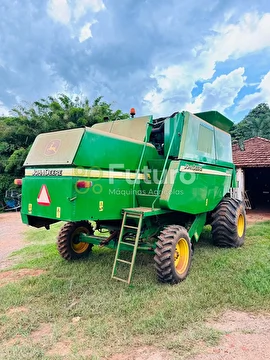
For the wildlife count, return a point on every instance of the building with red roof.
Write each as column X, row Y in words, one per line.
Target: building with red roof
column 252, row 160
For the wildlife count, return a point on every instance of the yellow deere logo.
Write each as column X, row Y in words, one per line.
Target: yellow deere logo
column 52, row 147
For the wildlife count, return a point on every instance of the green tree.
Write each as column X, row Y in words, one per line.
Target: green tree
column 256, row 123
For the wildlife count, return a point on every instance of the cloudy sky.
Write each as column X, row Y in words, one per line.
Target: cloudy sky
column 158, row 56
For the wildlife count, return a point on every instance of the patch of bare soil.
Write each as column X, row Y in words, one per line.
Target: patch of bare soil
column 44, row 330
column 15, row 275
column 11, row 238
column 17, row 310
column 247, row 337
column 143, row 353
column 61, row 348
column 254, row 216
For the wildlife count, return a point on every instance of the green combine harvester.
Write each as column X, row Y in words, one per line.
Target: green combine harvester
column 150, row 184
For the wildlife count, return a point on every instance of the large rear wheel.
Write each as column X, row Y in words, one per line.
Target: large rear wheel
column 229, row 223
column 68, row 240
column 173, row 254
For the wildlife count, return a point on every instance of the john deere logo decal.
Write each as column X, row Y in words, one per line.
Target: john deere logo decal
column 52, row 147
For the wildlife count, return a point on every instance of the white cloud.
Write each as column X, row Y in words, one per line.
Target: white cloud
column 63, row 10
column 249, row 35
column 3, row 110
column 59, row 10
column 220, row 94
column 176, row 80
column 262, row 95
column 82, row 6
column 85, row 32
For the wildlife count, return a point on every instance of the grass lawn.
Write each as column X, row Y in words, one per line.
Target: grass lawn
column 74, row 309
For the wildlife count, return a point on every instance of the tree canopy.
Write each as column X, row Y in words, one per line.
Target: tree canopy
column 18, row 131
column 256, row 123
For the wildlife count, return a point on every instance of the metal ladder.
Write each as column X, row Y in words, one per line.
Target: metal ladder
column 127, row 215
column 247, row 201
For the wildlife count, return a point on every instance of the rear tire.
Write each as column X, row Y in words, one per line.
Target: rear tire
column 229, row 223
column 173, row 254
column 68, row 244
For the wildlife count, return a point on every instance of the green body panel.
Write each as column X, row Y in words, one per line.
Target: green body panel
column 60, row 190
column 101, row 201
column 197, row 226
column 102, row 150
column 194, row 187
column 216, row 119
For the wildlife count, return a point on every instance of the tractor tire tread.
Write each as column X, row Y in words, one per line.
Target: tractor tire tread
column 165, row 248
column 224, row 224
column 63, row 244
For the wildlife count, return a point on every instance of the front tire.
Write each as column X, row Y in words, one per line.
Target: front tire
column 68, row 244
column 173, row 254
column 229, row 223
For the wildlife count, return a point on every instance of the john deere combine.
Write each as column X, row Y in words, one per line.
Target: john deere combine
column 151, row 184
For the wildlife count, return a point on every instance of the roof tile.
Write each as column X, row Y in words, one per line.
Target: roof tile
column 256, row 153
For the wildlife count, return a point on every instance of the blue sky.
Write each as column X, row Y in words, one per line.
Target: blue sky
column 159, row 56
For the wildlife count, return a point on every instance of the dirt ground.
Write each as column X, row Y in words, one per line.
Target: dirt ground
column 11, row 237
column 245, row 336
column 12, row 275
column 254, row 216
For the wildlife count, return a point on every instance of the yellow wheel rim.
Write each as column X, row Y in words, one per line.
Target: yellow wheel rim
column 240, row 225
column 181, row 256
column 77, row 246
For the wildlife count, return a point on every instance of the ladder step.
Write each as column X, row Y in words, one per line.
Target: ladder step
column 133, row 216
column 124, row 261
column 117, row 278
column 130, row 227
column 126, row 243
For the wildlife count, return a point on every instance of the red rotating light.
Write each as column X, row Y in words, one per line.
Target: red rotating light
column 132, row 112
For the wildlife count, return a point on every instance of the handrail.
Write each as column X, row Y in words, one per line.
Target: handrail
column 140, row 163
column 165, row 163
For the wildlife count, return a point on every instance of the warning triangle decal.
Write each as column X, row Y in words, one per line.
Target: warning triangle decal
column 44, row 197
